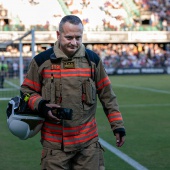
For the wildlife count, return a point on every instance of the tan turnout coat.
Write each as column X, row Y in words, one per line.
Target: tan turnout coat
column 71, row 83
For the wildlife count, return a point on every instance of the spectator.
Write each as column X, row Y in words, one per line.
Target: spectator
column 164, row 25
column 15, row 69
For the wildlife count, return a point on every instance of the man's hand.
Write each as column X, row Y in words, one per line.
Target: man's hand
column 120, row 140
column 49, row 114
column 45, row 108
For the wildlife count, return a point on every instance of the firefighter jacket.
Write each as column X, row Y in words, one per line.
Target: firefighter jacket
column 71, row 83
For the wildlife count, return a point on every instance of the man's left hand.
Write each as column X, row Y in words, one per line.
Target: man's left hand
column 120, row 140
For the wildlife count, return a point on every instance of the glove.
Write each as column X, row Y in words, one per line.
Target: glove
column 43, row 109
column 121, row 131
column 120, row 139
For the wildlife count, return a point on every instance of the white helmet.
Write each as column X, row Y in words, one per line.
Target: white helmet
column 23, row 125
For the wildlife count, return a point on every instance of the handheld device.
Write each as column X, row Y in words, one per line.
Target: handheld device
column 63, row 113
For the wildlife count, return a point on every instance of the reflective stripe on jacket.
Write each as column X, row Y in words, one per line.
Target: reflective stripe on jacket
column 71, row 135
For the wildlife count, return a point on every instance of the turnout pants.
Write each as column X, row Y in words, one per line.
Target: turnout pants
column 88, row 158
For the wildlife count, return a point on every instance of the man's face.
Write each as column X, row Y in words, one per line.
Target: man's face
column 70, row 39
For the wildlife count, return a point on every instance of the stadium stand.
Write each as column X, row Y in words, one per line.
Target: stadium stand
column 22, row 15
column 114, row 15
column 103, row 15
column 132, row 56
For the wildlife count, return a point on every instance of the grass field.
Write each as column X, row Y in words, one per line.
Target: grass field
column 145, row 105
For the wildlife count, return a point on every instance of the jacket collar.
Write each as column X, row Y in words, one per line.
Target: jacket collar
column 59, row 54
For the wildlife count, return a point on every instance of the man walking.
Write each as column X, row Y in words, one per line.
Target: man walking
column 63, row 82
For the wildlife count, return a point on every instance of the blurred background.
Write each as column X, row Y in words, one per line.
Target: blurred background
column 132, row 37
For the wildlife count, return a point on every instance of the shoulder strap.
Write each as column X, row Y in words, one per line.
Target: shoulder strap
column 92, row 57
column 43, row 56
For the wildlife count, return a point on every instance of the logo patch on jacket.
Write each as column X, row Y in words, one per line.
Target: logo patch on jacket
column 69, row 64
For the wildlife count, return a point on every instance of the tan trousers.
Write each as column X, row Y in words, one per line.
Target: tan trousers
column 88, row 158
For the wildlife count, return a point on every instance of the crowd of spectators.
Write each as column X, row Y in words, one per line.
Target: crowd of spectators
column 160, row 12
column 11, row 68
column 13, row 50
column 99, row 15
column 117, row 55
column 132, row 55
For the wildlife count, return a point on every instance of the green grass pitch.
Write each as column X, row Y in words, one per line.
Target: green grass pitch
column 145, row 105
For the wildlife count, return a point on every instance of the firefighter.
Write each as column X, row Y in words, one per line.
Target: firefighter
column 63, row 83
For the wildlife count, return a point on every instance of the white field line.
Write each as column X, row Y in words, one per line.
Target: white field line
column 13, row 85
column 122, row 155
column 9, row 89
column 5, row 98
column 143, row 88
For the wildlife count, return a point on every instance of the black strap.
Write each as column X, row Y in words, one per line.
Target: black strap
column 92, row 57
column 88, row 59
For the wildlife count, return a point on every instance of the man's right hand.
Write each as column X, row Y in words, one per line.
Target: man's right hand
column 49, row 114
column 45, row 108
